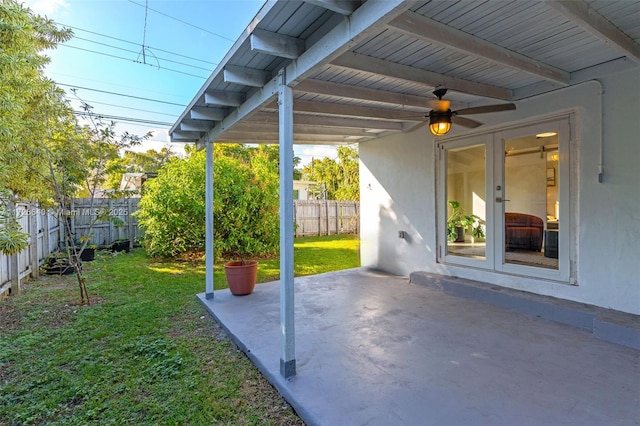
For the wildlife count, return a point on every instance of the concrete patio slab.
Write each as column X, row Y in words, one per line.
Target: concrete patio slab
column 373, row 349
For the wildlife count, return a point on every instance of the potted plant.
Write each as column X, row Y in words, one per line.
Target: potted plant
column 477, row 230
column 459, row 221
column 89, row 253
column 241, row 276
column 120, row 245
column 58, row 264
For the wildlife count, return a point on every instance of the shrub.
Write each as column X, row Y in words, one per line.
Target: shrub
column 246, row 224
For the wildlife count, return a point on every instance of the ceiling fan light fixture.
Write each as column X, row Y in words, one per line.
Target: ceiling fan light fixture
column 439, row 123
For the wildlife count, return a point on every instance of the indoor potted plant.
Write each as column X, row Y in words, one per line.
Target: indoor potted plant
column 459, row 221
column 477, row 230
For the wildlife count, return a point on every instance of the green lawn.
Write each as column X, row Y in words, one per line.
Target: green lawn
column 144, row 352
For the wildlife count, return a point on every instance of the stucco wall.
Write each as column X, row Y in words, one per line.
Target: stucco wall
column 398, row 194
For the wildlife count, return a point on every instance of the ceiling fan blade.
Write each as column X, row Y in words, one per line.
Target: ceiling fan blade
column 485, row 109
column 422, row 117
column 466, row 122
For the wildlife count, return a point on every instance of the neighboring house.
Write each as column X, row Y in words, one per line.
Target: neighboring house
column 566, row 159
column 301, row 189
column 134, row 182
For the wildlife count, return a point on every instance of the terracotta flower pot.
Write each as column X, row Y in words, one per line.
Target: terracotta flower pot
column 241, row 276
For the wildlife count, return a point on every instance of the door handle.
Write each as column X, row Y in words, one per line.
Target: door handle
column 500, row 200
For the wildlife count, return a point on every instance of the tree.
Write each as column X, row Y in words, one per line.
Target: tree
column 337, row 180
column 172, row 211
column 46, row 156
column 29, row 102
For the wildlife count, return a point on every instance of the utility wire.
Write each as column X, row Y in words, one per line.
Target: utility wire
column 136, row 44
column 121, row 94
column 137, row 62
column 112, row 84
column 131, row 108
column 132, row 51
column 118, row 118
column 184, row 22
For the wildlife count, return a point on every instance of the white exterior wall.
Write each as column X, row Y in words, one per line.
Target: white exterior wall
column 398, row 194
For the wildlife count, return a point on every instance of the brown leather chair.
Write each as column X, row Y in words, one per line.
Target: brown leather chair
column 523, row 232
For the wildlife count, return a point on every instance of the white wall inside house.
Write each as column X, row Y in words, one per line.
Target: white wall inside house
column 398, row 194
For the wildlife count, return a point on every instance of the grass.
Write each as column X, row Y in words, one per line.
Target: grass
column 145, row 352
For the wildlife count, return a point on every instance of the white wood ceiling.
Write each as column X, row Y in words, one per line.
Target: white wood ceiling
column 364, row 69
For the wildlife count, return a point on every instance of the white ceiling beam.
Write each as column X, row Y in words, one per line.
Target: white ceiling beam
column 368, row 18
column 245, row 76
column 432, row 31
column 224, row 139
column 327, row 88
column 359, row 62
column 276, row 44
column 339, row 6
column 590, row 20
column 300, row 129
column 346, row 110
column 181, row 136
column 204, row 113
column 219, row 98
column 335, row 121
column 253, row 136
column 196, row 125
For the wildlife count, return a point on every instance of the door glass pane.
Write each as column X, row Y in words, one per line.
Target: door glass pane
column 466, row 201
column 531, row 201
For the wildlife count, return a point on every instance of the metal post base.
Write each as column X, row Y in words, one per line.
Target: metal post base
column 288, row 368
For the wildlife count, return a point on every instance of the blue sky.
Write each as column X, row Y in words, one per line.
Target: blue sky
column 184, row 42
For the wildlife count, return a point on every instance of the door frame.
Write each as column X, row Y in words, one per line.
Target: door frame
column 494, row 148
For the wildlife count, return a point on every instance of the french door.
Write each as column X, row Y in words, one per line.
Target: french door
column 503, row 201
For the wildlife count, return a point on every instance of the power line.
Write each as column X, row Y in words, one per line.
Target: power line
column 113, row 84
column 148, row 48
column 126, row 107
column 118, row 118
column 129, row 60
column 184, row 22
column 134, row 43
column 121, row 94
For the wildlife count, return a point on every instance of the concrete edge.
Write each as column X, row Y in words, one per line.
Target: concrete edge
column 276, row 380
column 612, row 326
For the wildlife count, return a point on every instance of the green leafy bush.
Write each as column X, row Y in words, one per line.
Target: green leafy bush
column 172, row 211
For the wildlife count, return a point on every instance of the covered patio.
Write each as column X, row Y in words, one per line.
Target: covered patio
column 376, row 349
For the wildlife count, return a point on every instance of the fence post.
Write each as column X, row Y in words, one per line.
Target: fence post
column 338, row 204
column 14, row 270
column 295, row 218
column 327, row 216
column 45, row 234
column 111, row 226
column 33, row 246
column 130, row 230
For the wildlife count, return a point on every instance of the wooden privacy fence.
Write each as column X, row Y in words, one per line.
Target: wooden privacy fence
column 124, row 227
column 46, row 235
column 326, row 217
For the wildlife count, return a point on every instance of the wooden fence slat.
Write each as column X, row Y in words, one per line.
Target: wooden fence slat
column 315, row 217
column 47, row 234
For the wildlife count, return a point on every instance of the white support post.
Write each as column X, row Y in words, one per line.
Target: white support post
column 287, row 327
column 209, row 222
